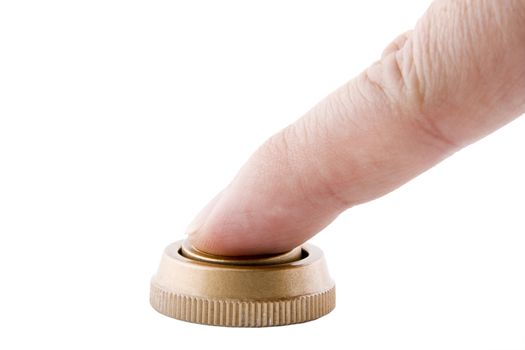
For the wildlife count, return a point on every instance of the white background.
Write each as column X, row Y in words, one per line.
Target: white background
column 120, row 119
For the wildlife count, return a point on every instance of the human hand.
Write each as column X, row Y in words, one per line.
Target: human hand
column 459, row 75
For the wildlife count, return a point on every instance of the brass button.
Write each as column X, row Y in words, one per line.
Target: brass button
column 253, row 291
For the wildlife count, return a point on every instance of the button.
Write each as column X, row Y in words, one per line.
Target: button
column 247, row 291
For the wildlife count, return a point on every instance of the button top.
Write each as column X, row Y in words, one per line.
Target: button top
column 190, row 252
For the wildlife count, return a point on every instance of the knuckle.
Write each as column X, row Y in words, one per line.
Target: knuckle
column 398, row 78
column 401, row 78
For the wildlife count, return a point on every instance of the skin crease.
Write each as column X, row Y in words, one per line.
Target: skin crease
column 456, row 77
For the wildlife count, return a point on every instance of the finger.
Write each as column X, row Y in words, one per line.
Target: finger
column 457, row 77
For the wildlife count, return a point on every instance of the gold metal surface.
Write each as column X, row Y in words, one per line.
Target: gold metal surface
column 191, row 252
column 256, row 291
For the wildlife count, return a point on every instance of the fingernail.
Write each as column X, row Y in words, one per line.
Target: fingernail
column 194, row 227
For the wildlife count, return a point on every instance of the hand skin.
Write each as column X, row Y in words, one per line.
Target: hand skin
column 459, row 75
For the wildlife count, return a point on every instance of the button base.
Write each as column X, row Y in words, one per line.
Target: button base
column 290, row 288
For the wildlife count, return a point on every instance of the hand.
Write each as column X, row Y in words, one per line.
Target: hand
column 459, row 75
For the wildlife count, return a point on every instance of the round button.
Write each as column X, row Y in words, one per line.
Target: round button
column 191, row 252
column 256, row 291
